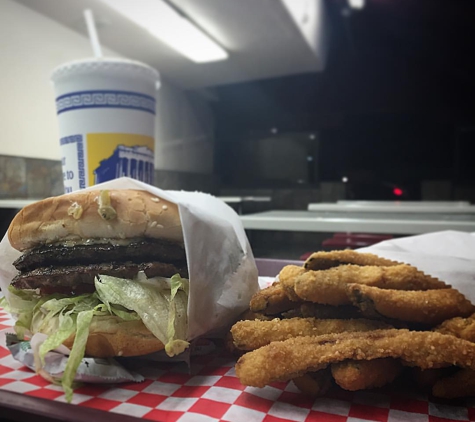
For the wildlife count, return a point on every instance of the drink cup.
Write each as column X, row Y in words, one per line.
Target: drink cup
column 106, row 113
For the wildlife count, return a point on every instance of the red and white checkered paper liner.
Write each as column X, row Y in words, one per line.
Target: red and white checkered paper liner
column 212, row 393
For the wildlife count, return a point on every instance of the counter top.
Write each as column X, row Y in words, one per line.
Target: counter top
column 16, row 203
column 396, row 207
column 365, row 222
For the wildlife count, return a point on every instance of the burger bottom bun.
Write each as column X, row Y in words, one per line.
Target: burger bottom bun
column 111, row 336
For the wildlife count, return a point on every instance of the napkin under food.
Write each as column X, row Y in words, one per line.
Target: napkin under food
column 448, row 255
column 222, row 270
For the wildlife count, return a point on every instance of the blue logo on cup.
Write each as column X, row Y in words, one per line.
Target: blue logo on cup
column 135, row 162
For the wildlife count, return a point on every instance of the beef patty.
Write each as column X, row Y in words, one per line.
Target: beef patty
column 78, row 279
column 136, row 251
column 71, row 270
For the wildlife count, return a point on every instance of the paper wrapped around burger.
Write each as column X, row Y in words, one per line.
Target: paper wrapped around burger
column 188, row 269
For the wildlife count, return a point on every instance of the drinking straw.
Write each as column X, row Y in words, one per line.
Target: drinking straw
column 93, row 37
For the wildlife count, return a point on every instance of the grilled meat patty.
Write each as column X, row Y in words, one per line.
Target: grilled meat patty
column 72, row 269
column 78, row 279
column 137, row 251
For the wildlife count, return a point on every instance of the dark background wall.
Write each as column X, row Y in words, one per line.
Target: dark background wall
column 395, row 105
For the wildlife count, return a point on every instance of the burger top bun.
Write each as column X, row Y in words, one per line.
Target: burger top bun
column 106, row 214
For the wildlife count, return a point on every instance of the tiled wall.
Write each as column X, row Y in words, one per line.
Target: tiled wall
column 22, row 177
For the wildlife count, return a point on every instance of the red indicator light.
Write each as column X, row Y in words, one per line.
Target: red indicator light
column 397, row 191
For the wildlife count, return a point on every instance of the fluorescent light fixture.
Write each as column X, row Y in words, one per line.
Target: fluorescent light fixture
column 356, row 4
column 165, row 23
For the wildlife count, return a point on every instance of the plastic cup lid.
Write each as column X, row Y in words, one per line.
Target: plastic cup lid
column 111, row 66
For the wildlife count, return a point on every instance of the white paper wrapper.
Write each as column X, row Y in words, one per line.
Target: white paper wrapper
column 222, row 270
column 447, row 255
column 90, row 369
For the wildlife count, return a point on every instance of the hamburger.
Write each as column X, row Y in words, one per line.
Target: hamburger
column 103, row 272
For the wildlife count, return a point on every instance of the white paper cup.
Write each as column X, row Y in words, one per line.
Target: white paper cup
column 106, row 113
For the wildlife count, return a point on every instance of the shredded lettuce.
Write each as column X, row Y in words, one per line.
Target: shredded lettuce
column 22, row 303
column 78, row 303
column 116, row 310
column 161, row 303
column 152, row 303
column 83, row 322
column 67, row 327
column 175, row 336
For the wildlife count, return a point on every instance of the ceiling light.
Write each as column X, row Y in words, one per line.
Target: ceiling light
column 165, row 23
column 356, row 4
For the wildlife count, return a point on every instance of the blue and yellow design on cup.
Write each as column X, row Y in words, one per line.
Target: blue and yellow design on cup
column 106, row 112
column 125, row 155
column 109, row 156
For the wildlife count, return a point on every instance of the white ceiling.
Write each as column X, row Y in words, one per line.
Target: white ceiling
column 261, row 37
